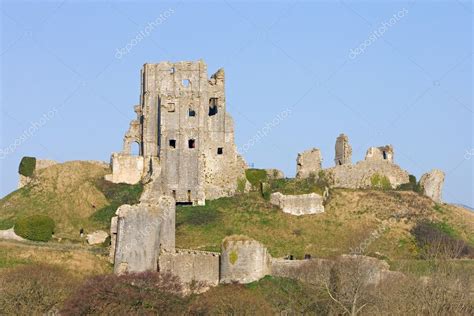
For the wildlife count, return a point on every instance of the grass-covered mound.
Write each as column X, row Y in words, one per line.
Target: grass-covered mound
column 73, row 194
column 351, row 219
column 35, row 227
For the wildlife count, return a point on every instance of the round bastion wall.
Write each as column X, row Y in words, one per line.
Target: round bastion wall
column 243, row 260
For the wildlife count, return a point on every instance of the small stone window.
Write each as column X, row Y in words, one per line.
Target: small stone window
column 192, row 113
column 171, row 107
column 186, row 83
column 189, row 196
column 173, row 193
column 173, row 143
column 192, row 143
column 220, row 150
column 172, row 70
column 213, row 106
column 384, row 153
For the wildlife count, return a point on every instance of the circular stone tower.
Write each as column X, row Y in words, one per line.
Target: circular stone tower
column 243, row 260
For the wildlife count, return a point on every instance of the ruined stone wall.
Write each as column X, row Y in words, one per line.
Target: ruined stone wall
column 140, row 232
column 126, row 169
column 432, row 184
column 302, row 204
column 359, row 176
column 191, row 265
column 343, row 151
column 243, row 260
column 384, row 153
column 308, row 162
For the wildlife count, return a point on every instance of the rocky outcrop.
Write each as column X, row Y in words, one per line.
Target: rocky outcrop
column 9, row 234
column 274, row 174
column 302, row 204
column 97, row 237
column 432, row 184
column 243, row 260
column 308, row 163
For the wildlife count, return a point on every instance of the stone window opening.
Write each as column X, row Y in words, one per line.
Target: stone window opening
column 186, row 83
column 192, row 143
column 339, row 162
column 384, row 153
column 135, row 149
column 189, row 195
column 220, row 150
column 173, row 143
column 171, row 107
column 191, row 113
column 213, row 106
column 173, row 194
column 172, row 70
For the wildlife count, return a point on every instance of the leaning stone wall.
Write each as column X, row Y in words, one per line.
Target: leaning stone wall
column 302, row 204
column 432, row 184
column 191, row 265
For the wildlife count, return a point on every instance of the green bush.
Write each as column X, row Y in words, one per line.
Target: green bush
column 27, row 166
column 255, row 176
column 35, row 227
column 380, row 182
column 412, row 185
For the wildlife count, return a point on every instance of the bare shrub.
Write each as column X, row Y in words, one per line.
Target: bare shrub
column 34, row 289
column 140, row 293
column 230, row 300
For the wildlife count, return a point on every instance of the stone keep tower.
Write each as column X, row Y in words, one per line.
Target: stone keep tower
column 343, row 151
column 185, row 137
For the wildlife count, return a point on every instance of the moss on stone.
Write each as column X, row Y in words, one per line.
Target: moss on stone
column 233, row 256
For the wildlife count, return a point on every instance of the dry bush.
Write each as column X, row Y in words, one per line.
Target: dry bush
column 445, row 292
column 230, row 300
column 34, row 289
column 145, row 293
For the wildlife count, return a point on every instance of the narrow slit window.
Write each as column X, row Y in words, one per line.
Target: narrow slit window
column 220, row 150
column 192, row 113
column 173, row 143
column 192, row 143
column 213, row 106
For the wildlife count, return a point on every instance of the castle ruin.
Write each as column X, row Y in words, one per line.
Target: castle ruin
column 184, row 135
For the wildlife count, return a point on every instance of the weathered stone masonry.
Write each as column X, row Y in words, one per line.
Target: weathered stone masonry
column 184, row 134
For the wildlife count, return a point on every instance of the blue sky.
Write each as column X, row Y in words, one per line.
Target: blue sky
column 409, row 84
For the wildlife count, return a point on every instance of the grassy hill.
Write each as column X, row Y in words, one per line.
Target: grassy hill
column 350, row 218
column 73, row 194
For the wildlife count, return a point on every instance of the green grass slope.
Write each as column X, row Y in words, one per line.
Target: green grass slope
column 73, row 194
column 352, row 219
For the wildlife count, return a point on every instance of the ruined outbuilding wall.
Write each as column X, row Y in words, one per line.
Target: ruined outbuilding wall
column 302, row 204
column 243, row 260
column 126, row 169
column 191, row 265
column 40, row 164
column 343, row 151
column 383, row 153
column 308, row 163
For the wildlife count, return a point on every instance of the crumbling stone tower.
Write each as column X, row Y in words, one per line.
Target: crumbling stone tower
column 185, row 137
column 343, row 151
